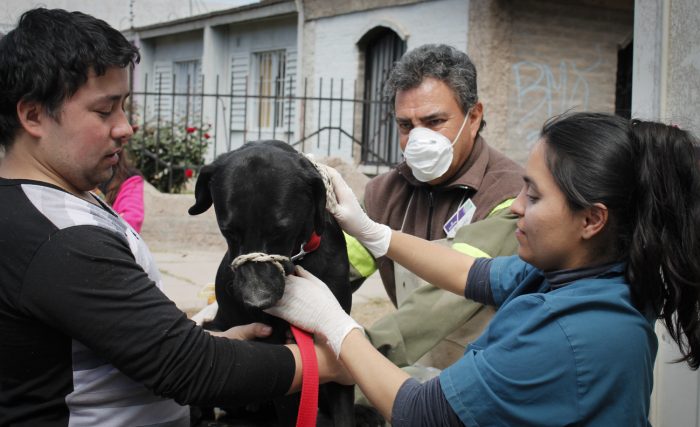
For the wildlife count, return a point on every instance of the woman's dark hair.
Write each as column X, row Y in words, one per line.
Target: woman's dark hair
column 123, row 170
column 49, row 56
column 647, row 175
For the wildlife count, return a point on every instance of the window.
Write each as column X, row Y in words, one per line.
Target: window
column 188, row 88
column 380, row 145
column 268, row 88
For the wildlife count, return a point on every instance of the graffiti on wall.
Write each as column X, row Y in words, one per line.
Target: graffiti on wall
column 543, row 90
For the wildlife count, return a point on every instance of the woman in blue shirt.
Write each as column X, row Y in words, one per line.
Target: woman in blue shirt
column 608, row 234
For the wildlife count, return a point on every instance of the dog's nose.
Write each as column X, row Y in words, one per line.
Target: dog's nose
column 259, row 285
column 260, row 299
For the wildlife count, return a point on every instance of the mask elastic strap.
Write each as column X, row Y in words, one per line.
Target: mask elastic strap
column 462, row 128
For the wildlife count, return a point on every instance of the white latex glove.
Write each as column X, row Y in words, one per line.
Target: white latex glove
column 349, row 214
column 308, row 304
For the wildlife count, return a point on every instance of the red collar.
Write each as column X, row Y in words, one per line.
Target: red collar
column 311, row 245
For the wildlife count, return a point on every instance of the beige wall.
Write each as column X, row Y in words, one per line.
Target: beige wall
column 538, row 58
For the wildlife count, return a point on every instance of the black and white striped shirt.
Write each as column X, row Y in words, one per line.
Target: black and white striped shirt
column 86, row 336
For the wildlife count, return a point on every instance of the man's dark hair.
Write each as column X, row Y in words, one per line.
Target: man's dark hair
column 49, row 56
column 441, row 62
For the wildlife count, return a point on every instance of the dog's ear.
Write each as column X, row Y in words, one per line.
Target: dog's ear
column 202, row 194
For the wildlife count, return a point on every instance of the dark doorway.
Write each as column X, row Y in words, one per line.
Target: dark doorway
column 623, row 84
column 382, row 48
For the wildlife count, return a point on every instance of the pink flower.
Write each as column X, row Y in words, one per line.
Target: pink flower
column 188, row 173
column 191, row 130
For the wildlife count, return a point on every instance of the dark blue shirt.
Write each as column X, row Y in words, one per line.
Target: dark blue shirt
column 575, row 351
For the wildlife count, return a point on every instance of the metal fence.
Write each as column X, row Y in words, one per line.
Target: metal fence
column 183, row 128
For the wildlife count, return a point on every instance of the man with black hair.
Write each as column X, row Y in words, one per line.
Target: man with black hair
column 86, row 336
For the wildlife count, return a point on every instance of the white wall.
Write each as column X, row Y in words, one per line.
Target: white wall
column 429, row 22
column 180, row 47
column 280, row 34
column 242, row 42
column 218, row 47
column 335, row 53
column 116, row 12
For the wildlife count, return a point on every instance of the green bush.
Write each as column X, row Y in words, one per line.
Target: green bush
column 168, row 155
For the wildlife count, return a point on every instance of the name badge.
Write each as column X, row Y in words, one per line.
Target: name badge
column 461, row 217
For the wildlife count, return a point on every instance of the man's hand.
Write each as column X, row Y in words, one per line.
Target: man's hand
column 245, row 332
column 349, row 214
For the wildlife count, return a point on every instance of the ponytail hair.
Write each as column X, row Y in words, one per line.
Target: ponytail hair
column 664, row 255
column 647, row 175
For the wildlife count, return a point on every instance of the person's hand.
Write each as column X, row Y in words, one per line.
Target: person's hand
column 308, row 304
column 330, row 368
column 349, row 214
column 245, row 332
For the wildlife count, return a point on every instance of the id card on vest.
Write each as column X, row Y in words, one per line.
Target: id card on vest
column 462, row 216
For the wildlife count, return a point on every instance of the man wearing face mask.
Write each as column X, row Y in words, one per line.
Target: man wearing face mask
column 451, row 186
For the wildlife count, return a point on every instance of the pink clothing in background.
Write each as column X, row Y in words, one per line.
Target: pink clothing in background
column 129, row 202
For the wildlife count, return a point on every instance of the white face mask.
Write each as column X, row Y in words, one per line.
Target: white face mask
column 429, row 153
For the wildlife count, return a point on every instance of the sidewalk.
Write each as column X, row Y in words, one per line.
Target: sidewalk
column 186, row 273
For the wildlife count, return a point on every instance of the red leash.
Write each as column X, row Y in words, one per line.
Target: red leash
column 308, row 406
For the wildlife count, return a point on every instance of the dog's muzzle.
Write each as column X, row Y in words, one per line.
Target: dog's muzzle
column 278, row 261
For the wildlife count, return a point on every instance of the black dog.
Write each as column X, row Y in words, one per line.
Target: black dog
column 269, row 198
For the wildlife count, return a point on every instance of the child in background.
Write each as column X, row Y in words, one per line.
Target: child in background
column 124, row 192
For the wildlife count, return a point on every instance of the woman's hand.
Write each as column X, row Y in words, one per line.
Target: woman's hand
column 309, row 304
column 245, row 332
column 330, row 368
column 349, row 214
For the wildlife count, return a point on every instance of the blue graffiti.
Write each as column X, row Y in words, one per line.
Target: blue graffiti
column 540, row 95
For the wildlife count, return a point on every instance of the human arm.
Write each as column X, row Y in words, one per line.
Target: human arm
column 378, row 378
column 330, row 369
column 129, row 202
column 250, row 331
column 85, row 283
column 308, row 303
column 429, row 314
column 441, row 266
column 528, row 333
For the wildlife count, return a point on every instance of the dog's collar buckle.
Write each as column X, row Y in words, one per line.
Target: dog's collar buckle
column 309, row 246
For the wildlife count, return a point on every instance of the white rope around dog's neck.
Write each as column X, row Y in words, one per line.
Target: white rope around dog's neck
column 331, row 201
column 276, row 260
